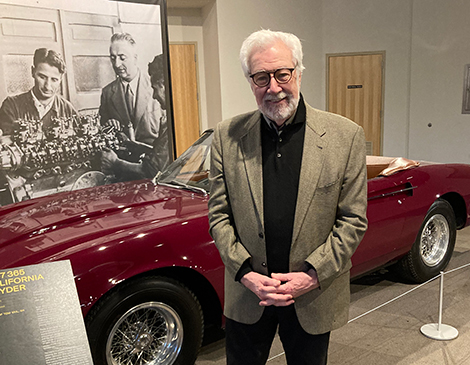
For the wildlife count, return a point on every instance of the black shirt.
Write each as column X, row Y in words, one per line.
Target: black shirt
column 282, row 159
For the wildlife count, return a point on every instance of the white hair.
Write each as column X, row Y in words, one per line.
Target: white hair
column 264, row 38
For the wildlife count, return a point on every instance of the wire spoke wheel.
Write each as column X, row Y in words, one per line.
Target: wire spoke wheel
column 149, row 333
column 434, row 244
column 142, row 321
column 434, row 240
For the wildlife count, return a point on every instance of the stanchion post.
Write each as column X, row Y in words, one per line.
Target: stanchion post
column 441, row 300
column 439, row 331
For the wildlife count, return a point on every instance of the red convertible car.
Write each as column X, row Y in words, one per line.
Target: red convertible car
column 149, row 277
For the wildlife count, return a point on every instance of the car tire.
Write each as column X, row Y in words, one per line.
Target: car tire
column 434, row 245
column 154, row 320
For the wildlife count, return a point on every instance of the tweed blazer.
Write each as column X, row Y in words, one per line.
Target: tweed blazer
column 147, row 115
column 329, row 223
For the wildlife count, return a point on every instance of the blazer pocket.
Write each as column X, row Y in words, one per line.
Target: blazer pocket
column 328, row 187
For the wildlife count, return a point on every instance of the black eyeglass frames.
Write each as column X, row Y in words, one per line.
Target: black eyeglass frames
column 281, row 75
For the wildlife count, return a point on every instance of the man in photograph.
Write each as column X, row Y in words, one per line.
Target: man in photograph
column 159, row 156
column 127, row 103
column 43, row 102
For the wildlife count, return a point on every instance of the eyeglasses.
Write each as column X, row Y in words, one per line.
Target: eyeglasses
column 281, row 75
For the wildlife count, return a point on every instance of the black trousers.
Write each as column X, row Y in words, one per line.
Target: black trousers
column 249, row 344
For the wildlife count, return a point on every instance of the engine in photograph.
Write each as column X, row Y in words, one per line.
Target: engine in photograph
column 37, row 160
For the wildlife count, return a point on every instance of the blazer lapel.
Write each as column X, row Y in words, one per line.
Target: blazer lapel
column 312, row 164
column 250, row 144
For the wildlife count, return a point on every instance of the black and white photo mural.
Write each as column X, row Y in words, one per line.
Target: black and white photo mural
column 85, row 95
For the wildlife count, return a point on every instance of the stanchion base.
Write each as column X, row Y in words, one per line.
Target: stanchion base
column 446, row 332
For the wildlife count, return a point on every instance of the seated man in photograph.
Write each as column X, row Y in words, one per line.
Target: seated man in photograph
column 159, row 157
column 43, row 102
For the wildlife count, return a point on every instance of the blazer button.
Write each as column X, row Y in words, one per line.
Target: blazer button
column 261, row 235
column 263, row 264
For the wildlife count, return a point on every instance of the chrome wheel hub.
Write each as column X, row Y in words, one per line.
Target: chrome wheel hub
column 142, row 340
column 434, row 240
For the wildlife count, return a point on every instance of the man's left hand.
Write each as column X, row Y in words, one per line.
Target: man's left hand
column 297, row 283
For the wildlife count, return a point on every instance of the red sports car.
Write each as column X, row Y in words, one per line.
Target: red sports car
column 149, row 277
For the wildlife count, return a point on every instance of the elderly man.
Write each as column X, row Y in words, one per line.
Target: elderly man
column 287, row 210
column 42, row 102
column 128, row 106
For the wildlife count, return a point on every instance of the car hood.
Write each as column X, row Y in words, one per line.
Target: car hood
column 30, row 220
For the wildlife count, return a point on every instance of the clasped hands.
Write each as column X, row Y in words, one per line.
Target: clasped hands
column 280, row 289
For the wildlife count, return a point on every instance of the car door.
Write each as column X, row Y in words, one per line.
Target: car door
column 388, row 201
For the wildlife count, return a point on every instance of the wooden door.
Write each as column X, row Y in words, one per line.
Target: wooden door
column 355, row 91
column 185, row 96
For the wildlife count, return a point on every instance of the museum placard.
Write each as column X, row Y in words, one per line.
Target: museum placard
column 40, row 317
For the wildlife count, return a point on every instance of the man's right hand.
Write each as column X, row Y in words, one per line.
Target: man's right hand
column 116, row 124
column 266, row 289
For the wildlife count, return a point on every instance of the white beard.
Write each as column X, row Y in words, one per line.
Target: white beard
column 279, row 114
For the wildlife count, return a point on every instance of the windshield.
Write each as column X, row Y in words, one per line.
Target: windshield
column 191, row 169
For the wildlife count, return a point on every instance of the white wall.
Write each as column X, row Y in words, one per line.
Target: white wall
column 441, row 49
column 225, row 24
column 376, row 25
column 212, row 66
column 426, row 46
column 238, row 19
